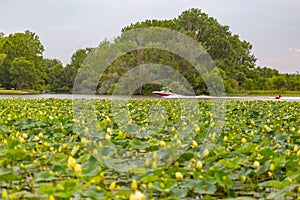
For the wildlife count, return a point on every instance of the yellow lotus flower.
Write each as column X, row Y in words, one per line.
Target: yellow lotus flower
column 272, row 167
column 112, row 186
column 296, row 148
column 4, row 194
column 243, row 178
column 35, row 138
column 147, row 162
column 288, row 152
column 162, row 143
column 134, row 184
column 95, row 152
column 244, row 141
column 84, row 141
column 194, row 144
column 225, row 139
column 71, row 162
column 154, row 165
column 298, row 153
column 256, row 164
column 78, row 169
column 107, row 137
column 22, row 140
column 120, row 133
column 98, row 188
column 205, row 153
column 199, row 165
column 86, row 131
column 109, row 131
column 108, row 120
column 178, row 176
column 173, row 129
column 270, row 174
column 46, row 144
column 137, row 196
column 51, row 197
column 267, row 128
column 25, row 135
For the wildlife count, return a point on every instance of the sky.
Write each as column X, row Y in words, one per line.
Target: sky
column 64, row 26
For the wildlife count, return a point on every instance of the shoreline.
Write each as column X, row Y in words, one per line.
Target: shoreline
column 141, row 97
column 18, row 92
column 252, row 93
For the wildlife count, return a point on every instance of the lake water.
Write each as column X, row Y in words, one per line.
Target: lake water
column 113, row 97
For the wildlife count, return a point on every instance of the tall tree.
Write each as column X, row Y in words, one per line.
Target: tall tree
column 23, row 73
column 57, row 79
column 2, row 58
column 72, row 68
column 230, row 54
column 26, row 46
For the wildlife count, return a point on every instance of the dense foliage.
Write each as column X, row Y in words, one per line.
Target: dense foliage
column 21, row 61
column 257, row 155
column 22, row 65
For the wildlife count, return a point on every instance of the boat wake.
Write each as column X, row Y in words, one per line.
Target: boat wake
column 239, row 98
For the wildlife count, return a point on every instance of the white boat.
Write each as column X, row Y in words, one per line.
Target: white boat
column 163, row 93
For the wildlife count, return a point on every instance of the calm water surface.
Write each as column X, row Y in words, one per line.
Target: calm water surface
column 83, row 96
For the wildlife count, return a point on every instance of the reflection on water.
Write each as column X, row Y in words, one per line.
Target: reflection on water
column 114, row 97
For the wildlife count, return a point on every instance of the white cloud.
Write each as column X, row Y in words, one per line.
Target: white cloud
column 294, row 49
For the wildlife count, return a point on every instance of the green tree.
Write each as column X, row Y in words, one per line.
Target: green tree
column 23, row 74
column 248, row 84
column 57, row 79
column 240, row 77
column 28, row 47
column 231, row 85
column 279, row 82
column 77, row 60
column 230, row 54
column 2, row 58
column 49, row 63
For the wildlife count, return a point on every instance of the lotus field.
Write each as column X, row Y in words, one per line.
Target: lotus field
column 46, row 152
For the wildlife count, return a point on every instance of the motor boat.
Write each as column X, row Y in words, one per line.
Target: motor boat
column 278, row 96
column 163, row 93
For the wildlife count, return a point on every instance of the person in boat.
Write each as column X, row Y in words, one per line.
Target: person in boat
column 278, row 96
column 166, row 89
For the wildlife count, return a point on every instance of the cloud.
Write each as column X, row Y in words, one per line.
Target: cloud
column 294, row 49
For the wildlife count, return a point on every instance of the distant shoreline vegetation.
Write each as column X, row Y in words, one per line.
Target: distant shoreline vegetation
column 237, row 93
column 265, row 93
column 23, row 67
column 17, row 92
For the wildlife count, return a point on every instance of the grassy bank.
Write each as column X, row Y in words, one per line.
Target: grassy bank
column 264, row 93
column 19, row 92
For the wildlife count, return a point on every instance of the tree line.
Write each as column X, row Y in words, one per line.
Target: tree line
column 22, row 65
